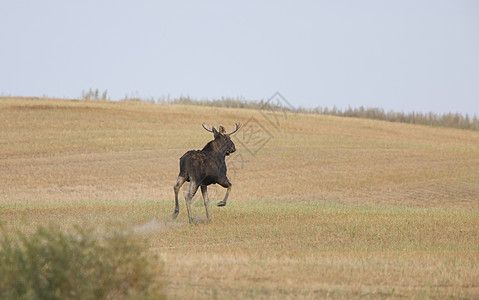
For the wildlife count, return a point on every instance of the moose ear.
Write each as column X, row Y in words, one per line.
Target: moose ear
column 216, row 133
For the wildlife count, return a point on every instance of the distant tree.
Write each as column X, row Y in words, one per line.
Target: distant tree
column 103, row 96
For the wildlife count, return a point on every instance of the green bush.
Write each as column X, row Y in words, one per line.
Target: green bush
column 52, row 264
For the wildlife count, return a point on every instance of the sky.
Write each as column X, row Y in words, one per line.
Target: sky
column 397, row 55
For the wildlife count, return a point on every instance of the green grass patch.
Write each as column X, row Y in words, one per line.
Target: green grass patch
column 53, row 264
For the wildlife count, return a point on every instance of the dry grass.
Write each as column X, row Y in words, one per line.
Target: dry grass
column 327, row 207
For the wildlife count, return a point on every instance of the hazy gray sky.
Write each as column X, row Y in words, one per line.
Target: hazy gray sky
column 401, row 55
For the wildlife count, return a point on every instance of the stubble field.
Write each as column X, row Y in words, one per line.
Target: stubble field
column 321, row 206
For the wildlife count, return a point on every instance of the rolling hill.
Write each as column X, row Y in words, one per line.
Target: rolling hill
column 321, row 206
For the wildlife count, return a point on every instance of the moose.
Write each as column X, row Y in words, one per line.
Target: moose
column 204, row 167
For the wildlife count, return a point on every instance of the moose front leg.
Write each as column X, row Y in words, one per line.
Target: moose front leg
column 226, row 184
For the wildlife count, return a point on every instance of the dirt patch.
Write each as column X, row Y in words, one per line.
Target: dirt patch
column 154, row 225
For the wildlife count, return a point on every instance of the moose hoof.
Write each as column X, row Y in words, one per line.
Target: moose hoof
column 175, row 214
column 221, row 203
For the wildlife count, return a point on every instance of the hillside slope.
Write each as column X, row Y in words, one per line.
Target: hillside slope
column 321, row 207
column 114, row 151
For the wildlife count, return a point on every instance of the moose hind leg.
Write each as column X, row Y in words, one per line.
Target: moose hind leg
column 189, row 197
column 206, row 200
column 226, row 184
column 179, row 182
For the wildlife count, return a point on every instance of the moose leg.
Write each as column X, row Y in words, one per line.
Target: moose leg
column 206, row 200
column 226, row 184
column 189, row 197
column 179, row 182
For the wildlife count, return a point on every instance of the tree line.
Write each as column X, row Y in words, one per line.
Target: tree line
column 450, row 120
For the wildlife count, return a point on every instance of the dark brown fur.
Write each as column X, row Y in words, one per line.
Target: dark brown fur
column 204, row 167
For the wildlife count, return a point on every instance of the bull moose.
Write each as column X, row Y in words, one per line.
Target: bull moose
column 204, row 167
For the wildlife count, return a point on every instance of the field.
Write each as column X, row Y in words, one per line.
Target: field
column 321, row 206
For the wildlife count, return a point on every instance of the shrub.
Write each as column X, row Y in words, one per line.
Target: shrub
column 51, row 264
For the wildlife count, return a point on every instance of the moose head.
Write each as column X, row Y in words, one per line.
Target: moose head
column 222, row 142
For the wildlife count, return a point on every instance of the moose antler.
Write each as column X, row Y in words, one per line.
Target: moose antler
column 237, row 126
column 221, row 129
column 207, row 128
